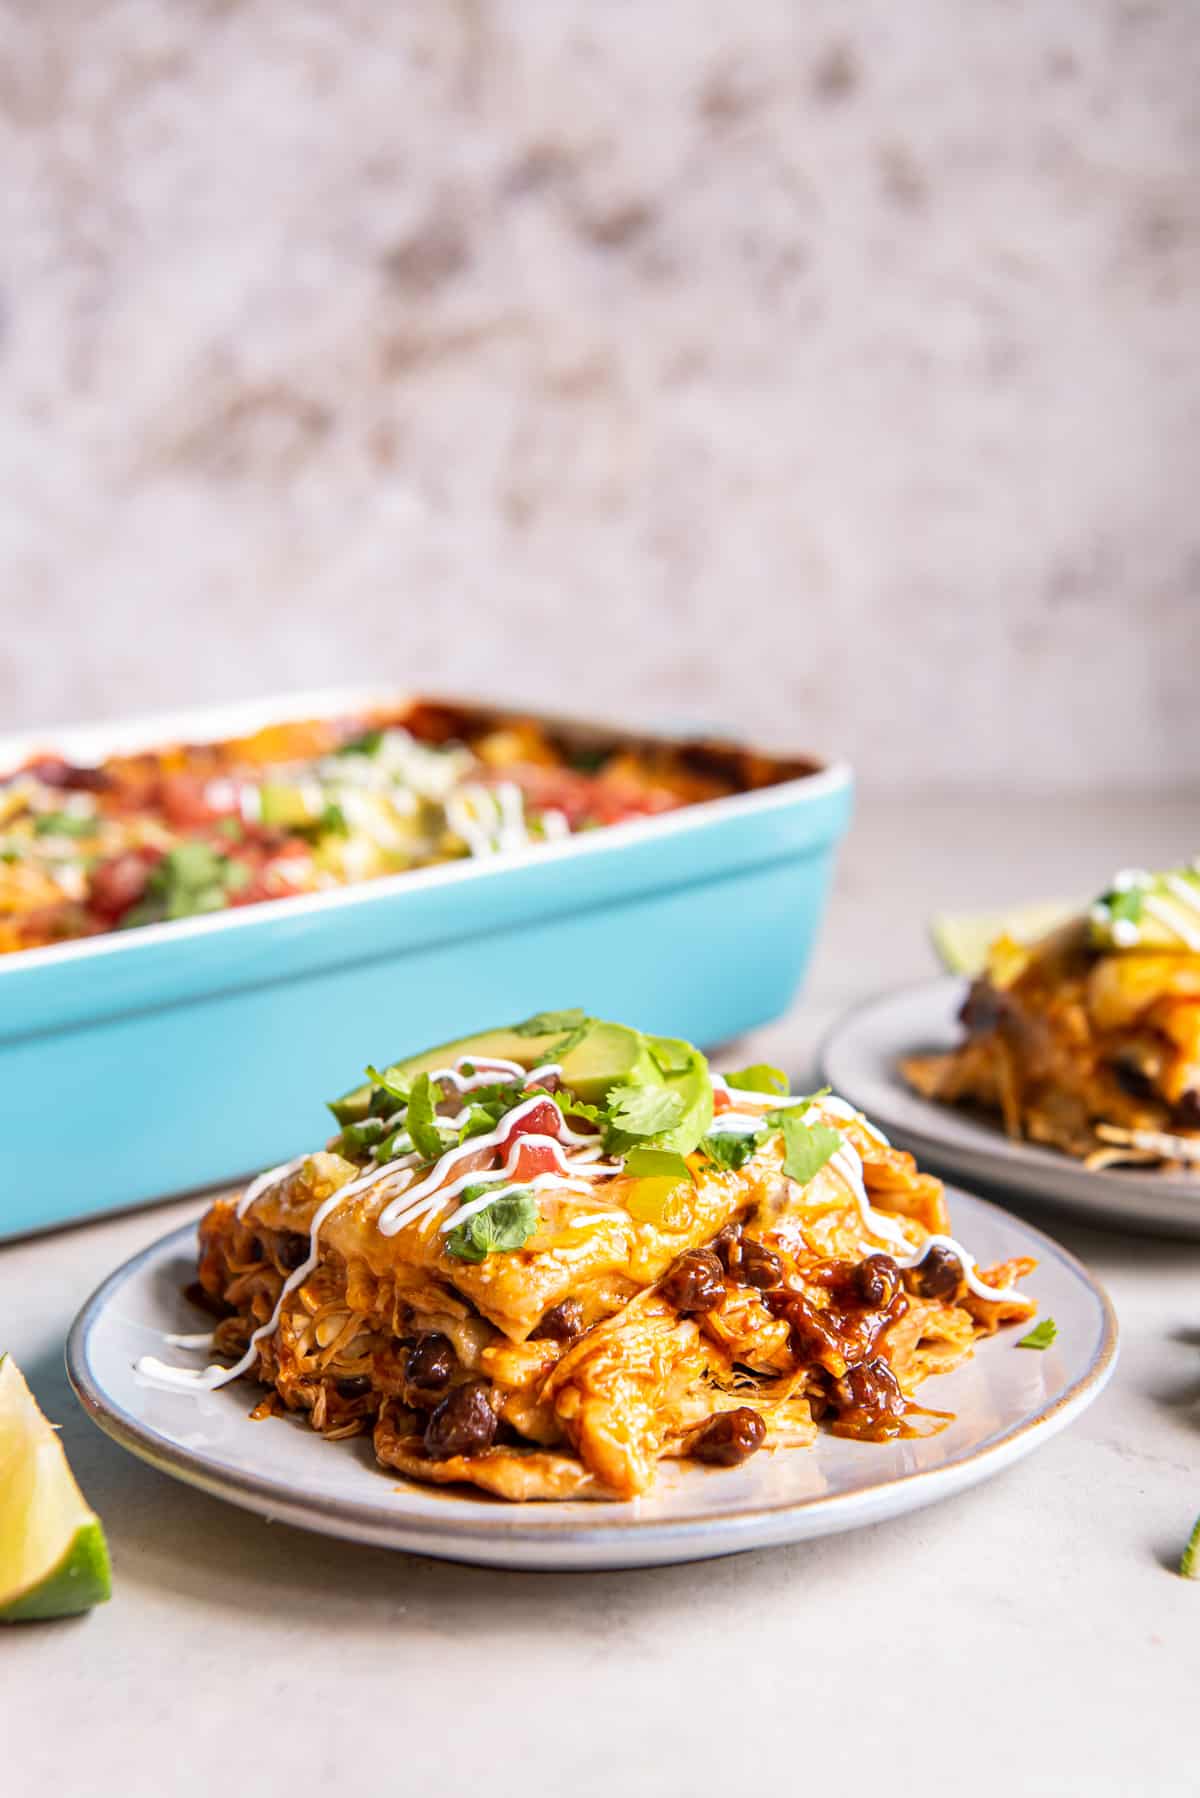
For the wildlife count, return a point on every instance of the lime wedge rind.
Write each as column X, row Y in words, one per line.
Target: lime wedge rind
column 53, row 1557
column 82, row 1580
column 962, row 940
column 1189, row 1560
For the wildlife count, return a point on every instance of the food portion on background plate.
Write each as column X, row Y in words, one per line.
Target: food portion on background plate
column 542, row 1259
column 309, row 805
column 1088, row 1038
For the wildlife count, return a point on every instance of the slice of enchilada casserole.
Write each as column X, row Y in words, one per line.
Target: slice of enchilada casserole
column 542, row 1259
column 1089, row 1039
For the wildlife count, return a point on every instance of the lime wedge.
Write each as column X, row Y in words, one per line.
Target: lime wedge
column 53, row 1556
column 1189, row 1561
column 962, row 942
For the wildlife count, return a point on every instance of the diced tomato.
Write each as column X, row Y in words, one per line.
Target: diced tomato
column 186, row 803
column 535, row 1158
column 722, row 1101
column 118, row 883
column 542, row 1119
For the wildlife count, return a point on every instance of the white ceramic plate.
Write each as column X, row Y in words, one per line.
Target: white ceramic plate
column 1006, row 1401
column 860, row 1060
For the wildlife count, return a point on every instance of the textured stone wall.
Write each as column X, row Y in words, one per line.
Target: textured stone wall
column 828, row 369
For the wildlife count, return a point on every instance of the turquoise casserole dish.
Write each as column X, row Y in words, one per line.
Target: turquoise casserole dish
column 146, row 1063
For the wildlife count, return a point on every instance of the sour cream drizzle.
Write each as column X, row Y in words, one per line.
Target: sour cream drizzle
column 1168, row 913
column 1181, row 896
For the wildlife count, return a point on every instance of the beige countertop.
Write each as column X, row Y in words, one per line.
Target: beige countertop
column 1030, row 1635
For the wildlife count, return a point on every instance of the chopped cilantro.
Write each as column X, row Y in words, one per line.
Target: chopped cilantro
column 643, row 1110
column 393, row 1146
column 191, row 879
column 731, row 1149
column 332, row 821
column 392, row 1081
column 807, row 1147
column 360, row 1139
column 501, row 1227
column 486, row 1106
column 421, row 1122
column 572, row 1107
column 761, row 1078
column 1041, row 1335
column 588, row 761
column 657, row 1164
column 381, row 1104
column 574, row 1024
column 1124, row 907
column 232, row 828
column 546, row 1023
column 368, row 742
column 62, row 824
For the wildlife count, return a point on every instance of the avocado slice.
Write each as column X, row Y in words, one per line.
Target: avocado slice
column 609, row 1055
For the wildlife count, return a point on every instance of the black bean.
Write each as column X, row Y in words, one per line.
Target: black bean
column 730, row 1438
column 1133, row 1080
column 694, row 1282
column 292, row 1250
column 1187, row 1110
column 353, row 1386
column 727, row 1247
column 463, row 1424
column 938, row 1275
column 877, row 1280
column 430, row 1366
column 761, row 1266
column 870, row 1386
column 562, row 1323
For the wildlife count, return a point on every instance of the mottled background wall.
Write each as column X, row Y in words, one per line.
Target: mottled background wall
column 831, row 369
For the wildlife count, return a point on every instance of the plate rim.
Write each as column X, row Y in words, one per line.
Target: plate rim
column 999, row 1150
column 504, row 1528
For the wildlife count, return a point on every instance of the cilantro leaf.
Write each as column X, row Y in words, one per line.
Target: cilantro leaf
column 190, row 879
column 546, row 1023
column 732, row 1149
column 368, row 743
column 572, row 1107
column 391, row 1080
column 574, row 1023
column 393, row 1146
column 1126, row 907
column 501, row 1227
column 361, row 1139
column 807, row 1147
column 486, row 1106
column 63, row 824
column 643, row 1110
column 657, row 1164
column 421, row 1122
column 761, row 1078
column 1041, row 1335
